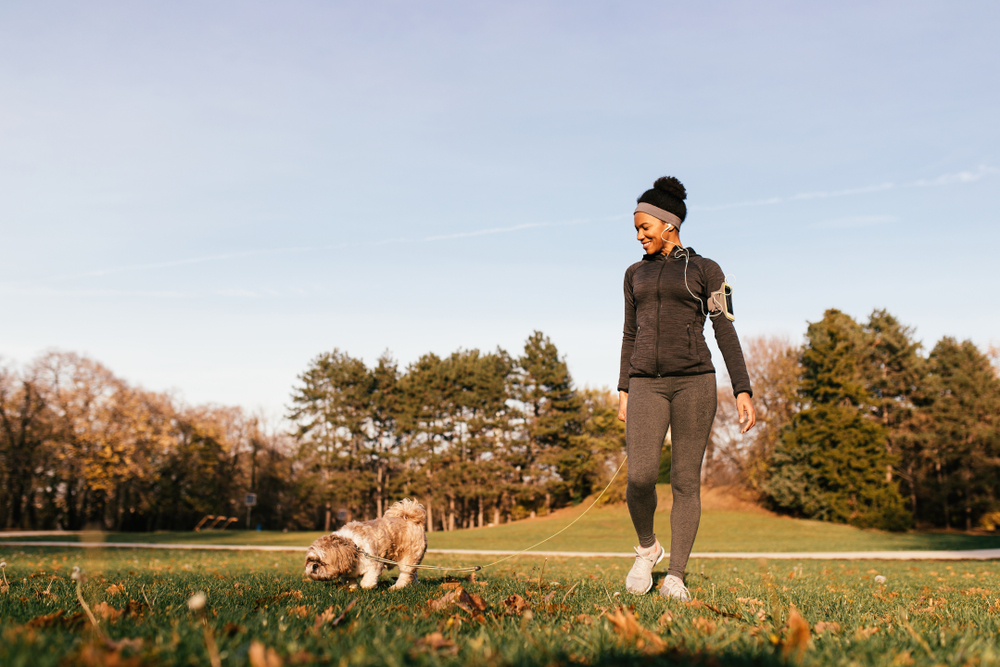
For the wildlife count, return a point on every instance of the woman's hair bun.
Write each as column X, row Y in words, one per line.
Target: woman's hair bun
column 670, row 186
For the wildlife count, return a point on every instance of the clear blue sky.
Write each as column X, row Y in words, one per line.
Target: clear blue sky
column 204, row 196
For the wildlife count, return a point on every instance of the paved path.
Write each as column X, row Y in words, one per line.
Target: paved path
column 976, row 554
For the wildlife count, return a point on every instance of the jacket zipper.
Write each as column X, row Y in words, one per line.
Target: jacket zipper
column 656, row 332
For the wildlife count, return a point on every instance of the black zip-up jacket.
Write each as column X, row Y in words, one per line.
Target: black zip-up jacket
column 665, row 326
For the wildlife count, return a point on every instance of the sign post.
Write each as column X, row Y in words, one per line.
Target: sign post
column 250, row 501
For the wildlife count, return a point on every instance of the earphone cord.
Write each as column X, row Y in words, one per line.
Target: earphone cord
column 687, row 254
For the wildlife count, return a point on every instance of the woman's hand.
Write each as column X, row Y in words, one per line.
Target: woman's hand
column 623, row 404
column 744, row 408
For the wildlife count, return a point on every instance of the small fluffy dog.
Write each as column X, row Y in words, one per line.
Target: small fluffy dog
column 398, row 536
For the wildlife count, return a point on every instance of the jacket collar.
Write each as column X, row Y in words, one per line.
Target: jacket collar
column 673, row 255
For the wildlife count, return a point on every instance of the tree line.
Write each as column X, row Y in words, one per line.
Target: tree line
column 855, row 425
column 477, row 437
column 859, row 426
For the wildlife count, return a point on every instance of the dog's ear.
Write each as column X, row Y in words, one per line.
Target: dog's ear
column 344, row 557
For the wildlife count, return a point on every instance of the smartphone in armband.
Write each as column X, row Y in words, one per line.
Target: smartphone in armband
column 722, row 300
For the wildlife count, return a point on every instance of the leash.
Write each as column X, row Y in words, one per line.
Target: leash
column 477, row 568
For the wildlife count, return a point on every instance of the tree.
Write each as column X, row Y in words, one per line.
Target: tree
column 831, row 460
column 331, row 409
column 551, row 459
column 895, row 372
column 773, row 366
column 961, row 402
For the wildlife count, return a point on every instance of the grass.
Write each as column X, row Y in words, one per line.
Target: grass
column 609, row 528
column 577, row 612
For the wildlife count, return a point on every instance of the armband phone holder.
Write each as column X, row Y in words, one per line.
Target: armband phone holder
column 722, row 301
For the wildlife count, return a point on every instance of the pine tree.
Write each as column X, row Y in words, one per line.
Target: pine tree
column 551, row 459
column 895, row 372
column 830, row 463
column 962, row 408
column 331, row 411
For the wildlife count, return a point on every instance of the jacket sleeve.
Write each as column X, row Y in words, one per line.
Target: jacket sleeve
column 628, row 333
column 725, row 332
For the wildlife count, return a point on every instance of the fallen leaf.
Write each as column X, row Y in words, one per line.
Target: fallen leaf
column 56, row 619
column 451, row 585
column 114, row 589
column 231, row 629
column 301, row 611
column 107, row 612
column 261, row 656
column 327, row 616
column 586, row 619
column 515, row 604
column 108, row 654
column 797, row 638
column 704, row 625
column 823, row 626
column 864, row 633
column 904, row 659
column 628, row 629
column 435, row 641
column 666, row 619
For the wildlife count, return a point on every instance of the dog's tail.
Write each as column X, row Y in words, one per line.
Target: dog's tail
column 408, row 510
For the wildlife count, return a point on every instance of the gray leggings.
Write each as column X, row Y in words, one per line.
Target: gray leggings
column 687, row 405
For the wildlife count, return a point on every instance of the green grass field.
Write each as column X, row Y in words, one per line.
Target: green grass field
column 262, row 612
column 608, row 528
column 575, row 612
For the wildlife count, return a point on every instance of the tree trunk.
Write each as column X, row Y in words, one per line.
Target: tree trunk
column 480, row 515
column 378, row 491
column 430, row 516
column 451, row 512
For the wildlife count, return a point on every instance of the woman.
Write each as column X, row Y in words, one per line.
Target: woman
column 667, row 380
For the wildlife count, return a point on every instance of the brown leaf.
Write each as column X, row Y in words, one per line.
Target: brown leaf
column 107, row 612
column 231, row 629
column 300, row 611
column 666, row 619
column 470, row 603
column 261, row 656
column 704, row 625
column 864, row 633
column 435, row 641
column 586, row 619
column 515, row 604
column 628, row 629
column 451, row 585
column 904, row 659
column 477, row 601
column 444, row 601
column 833, row 628
column 327, row 617
column 108, row 654
column 797, row 638
column 114, row 589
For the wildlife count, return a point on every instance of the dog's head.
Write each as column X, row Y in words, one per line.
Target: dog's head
column 331, row 557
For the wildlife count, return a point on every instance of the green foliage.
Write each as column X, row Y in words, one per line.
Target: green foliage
column 960, row 459
column 832, row 460
column 831, row 465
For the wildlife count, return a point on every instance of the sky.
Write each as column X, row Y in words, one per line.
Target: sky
column 206, row 196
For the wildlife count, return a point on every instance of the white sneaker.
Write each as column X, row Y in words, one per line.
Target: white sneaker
column 673, row 588
column 640, row 577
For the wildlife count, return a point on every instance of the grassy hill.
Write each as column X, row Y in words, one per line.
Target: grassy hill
column 728, row 524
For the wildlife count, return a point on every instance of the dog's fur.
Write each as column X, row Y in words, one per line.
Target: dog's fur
column 398, row 536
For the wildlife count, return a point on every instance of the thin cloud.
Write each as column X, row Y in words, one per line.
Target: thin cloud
column 944, row 179
column 336, row 246
column 855, row 221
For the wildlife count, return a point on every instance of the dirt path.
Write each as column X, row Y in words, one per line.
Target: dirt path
column 976, row 554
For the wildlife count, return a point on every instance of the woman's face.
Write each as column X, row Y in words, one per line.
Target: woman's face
column 648, row 230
